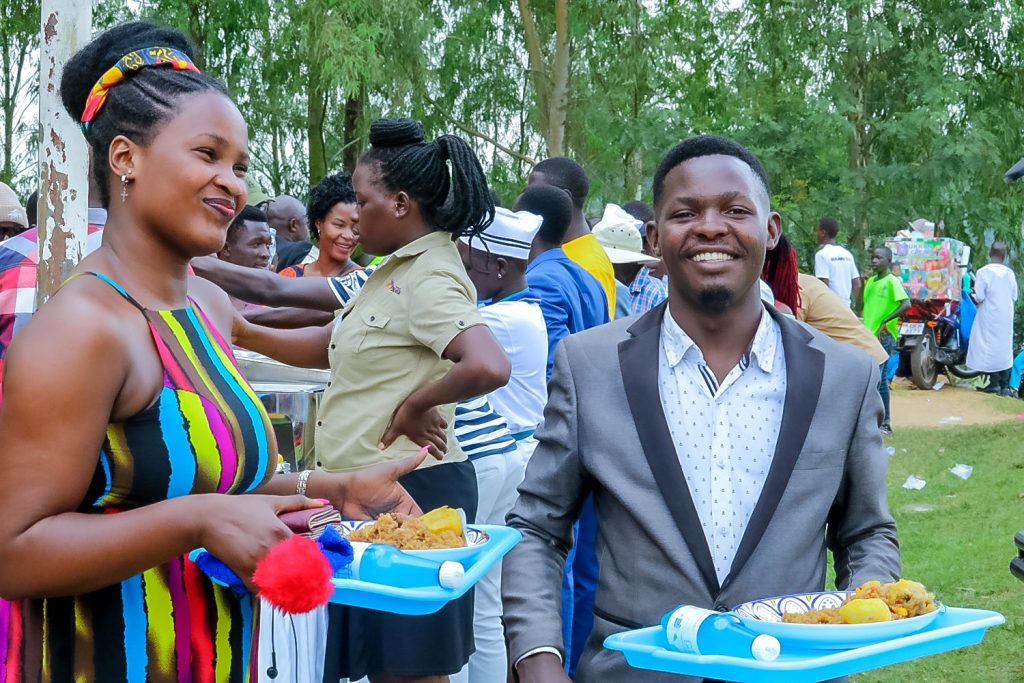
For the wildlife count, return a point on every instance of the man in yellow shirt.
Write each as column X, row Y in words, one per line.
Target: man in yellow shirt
column 580, row 245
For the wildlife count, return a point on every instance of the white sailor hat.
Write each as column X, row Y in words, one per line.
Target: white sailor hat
column 511, row 234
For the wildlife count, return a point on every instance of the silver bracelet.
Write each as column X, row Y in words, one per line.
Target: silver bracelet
column 300, row 485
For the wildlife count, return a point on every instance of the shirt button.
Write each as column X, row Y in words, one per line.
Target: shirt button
column 319, row 423
column 720, row 462
column 332, row 347
column 372, row 318
column 328, row 382
column 319, row 464
column 723, row 531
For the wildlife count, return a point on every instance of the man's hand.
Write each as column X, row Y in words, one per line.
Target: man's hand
column 369, row 492
column 542, row 667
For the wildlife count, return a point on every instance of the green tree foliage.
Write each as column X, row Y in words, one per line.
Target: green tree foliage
column 873, row 111
column 19, row 81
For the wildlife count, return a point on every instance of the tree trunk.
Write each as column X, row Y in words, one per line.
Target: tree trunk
column 353, row 117
column 316, row 109
column 7, row 172
column 197, row 31
column 12, row 77
column 550, row 81
column 859, row 150
column 559, row 101
column 538, row 65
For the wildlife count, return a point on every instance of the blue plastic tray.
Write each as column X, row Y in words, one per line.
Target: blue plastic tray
column 426, row 600
column 957, row 627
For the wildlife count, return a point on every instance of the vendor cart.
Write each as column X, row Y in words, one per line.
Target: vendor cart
column 931, row 340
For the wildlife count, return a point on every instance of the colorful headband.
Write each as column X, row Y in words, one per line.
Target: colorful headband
column 131, row 62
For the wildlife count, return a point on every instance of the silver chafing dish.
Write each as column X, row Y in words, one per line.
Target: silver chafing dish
column 292, row 397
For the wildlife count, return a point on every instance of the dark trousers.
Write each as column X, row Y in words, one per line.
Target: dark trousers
column 889, row 344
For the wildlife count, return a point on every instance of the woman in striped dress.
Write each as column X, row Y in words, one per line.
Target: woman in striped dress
column 127, row 433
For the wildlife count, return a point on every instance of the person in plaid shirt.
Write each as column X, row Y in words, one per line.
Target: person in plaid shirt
column 19, row 257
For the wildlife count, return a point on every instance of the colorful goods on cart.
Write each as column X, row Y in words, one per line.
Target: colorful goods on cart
column 928, row 268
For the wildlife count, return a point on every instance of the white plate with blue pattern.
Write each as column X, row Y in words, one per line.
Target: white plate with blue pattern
column 765, row 616
column 476, row 542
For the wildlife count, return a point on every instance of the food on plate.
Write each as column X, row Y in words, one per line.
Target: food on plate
column 872, row 603
column 443, row 519
column 866, row 611
column 440, row 528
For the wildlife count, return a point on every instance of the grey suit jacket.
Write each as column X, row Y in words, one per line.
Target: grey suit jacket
column 605, row 434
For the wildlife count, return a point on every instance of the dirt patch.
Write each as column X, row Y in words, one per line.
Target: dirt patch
column 949, row 406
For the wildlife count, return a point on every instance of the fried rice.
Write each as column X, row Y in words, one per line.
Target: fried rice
column 406, row 533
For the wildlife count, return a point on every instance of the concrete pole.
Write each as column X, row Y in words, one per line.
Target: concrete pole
column 63, row 154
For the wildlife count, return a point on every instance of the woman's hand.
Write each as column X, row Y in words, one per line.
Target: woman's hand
column 422, row 426
column 240, row 530
column 369, row 492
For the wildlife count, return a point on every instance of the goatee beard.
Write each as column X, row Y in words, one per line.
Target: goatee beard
column 715, row 301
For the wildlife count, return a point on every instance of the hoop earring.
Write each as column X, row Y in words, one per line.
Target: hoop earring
column 124, row 188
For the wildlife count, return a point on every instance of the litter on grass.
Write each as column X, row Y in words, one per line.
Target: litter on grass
column 891, row 450
column 962, row 471
column 950, row 420
column 913, row 483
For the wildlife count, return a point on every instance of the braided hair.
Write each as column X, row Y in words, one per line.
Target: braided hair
column 137, row 107
column 456, row 201
column 781, row 274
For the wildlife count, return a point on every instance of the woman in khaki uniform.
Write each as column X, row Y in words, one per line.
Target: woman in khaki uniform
column 403, row 352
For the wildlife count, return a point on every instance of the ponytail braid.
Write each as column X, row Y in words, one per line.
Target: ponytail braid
column 456, row 201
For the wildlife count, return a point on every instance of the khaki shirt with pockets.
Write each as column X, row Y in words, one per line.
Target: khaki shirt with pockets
column 388, row 343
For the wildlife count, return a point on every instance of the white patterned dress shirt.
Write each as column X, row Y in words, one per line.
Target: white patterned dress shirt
column 724, row 434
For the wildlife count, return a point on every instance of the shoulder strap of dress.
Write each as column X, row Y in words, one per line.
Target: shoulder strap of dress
column 116, row 287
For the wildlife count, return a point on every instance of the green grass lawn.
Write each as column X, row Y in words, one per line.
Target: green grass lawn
column 956, row 537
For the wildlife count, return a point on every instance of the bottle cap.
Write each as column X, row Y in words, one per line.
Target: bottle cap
column 451, row 575
column 765, row 648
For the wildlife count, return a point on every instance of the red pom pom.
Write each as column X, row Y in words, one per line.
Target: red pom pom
column 294, row 576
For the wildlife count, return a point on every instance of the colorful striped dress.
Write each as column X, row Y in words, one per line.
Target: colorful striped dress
column 206, row 433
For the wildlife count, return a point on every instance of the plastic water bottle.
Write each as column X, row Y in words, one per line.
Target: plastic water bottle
column 387, row 565
column 703, row 631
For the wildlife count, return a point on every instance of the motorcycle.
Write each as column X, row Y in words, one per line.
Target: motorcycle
column 930, row 343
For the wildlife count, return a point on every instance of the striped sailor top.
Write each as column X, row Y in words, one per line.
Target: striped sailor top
column 207, row 432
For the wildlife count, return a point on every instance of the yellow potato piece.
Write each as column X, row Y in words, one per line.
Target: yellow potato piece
column 867, row 611
column 443, row 519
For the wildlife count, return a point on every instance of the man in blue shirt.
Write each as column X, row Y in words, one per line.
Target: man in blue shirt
column 571, row 299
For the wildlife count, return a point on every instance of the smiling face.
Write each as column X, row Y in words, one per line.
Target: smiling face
column 713, row 226
column 189, row 182
column 338, row 232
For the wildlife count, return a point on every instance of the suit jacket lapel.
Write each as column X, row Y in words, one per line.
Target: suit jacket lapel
column 805, row 366
column 638, row 362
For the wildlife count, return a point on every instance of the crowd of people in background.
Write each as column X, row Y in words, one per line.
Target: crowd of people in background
column 448, row 323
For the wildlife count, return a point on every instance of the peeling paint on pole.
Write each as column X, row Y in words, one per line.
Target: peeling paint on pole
column 63, row 154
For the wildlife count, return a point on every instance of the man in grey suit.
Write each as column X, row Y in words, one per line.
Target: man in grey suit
column 726, row 446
